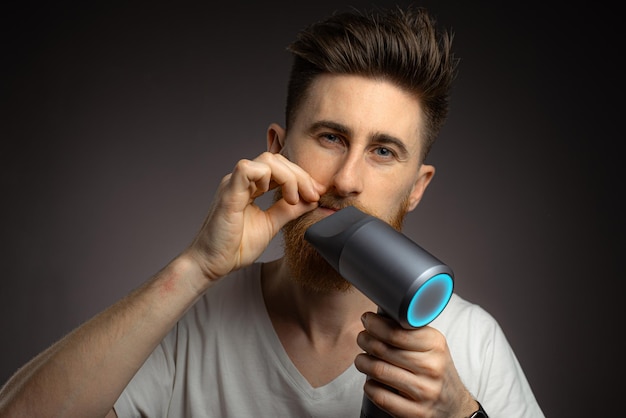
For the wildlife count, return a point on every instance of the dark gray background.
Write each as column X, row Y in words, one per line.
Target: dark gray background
column 118, row 121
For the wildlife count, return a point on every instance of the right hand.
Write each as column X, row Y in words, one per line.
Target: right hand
column 236, row 231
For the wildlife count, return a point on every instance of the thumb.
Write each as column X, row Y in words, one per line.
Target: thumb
column 282, row 212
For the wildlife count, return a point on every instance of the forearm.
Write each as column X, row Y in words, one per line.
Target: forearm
column 84, row 373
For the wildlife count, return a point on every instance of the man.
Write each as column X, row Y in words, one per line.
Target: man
column 216, row 334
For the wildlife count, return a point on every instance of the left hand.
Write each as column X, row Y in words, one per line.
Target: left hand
column 414, row 362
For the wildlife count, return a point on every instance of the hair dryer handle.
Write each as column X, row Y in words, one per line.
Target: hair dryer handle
column 368, row 409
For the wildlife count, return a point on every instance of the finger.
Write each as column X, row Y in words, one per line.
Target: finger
column 388, row 354
column 282, row 212
column 386, row 329
column 252, row 178
column 295, row 183
column 418, row 362
column 248, row 179
column 394, row 402
column 400, row 381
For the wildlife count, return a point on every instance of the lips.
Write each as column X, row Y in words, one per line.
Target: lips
column 327, row 210
column 329, row 207
column 334, row 203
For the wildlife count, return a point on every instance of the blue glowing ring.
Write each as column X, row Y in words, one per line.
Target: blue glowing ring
column 429, row 300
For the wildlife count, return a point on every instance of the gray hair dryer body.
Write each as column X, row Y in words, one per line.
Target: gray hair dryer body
column 406, row 282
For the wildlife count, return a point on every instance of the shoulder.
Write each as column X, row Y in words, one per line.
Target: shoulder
column 485, row 360
column 466, row 324
column 236, row 280
column 461, row 312
column 233, row 294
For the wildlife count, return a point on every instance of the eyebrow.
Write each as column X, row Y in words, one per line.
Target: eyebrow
column 378, row 137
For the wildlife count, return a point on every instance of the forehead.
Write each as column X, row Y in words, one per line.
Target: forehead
column 364, row 105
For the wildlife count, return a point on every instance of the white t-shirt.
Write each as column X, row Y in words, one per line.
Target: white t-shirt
column 224, row 359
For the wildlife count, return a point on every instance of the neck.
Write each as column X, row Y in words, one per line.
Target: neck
column 328, row 315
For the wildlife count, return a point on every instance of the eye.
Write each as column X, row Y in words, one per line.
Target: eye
column 331, row 140
column 330, row 137
column 384, row 152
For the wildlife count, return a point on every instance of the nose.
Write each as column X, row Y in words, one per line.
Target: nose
column 349, row 177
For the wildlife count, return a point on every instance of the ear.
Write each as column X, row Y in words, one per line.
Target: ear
column 275, row 138
column 425, row 175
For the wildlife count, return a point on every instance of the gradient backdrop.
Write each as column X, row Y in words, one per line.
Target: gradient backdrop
column 118, row 121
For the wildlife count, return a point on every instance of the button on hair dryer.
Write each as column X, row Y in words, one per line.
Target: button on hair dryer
column 406, row 282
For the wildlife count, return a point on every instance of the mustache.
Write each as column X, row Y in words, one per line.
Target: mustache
column 331, row 200
column 335, row 202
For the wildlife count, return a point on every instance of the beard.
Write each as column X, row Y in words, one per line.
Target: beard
column 307, row 266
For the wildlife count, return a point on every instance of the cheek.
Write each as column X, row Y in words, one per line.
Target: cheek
column 322, row 171
column 392, row 194
column 317, row 163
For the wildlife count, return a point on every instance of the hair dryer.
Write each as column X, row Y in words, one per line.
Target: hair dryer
column 406, row 282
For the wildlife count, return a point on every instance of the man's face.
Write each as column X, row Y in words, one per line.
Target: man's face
column 361, row 138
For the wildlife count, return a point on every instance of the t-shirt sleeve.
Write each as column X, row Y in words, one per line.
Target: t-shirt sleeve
column 486, row 361
column 149, row 392
column 507, row 392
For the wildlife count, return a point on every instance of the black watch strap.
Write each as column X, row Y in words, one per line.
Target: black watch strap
column 480, row 413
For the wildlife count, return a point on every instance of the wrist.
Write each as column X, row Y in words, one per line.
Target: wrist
column 479, row 411
column 184, row 274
